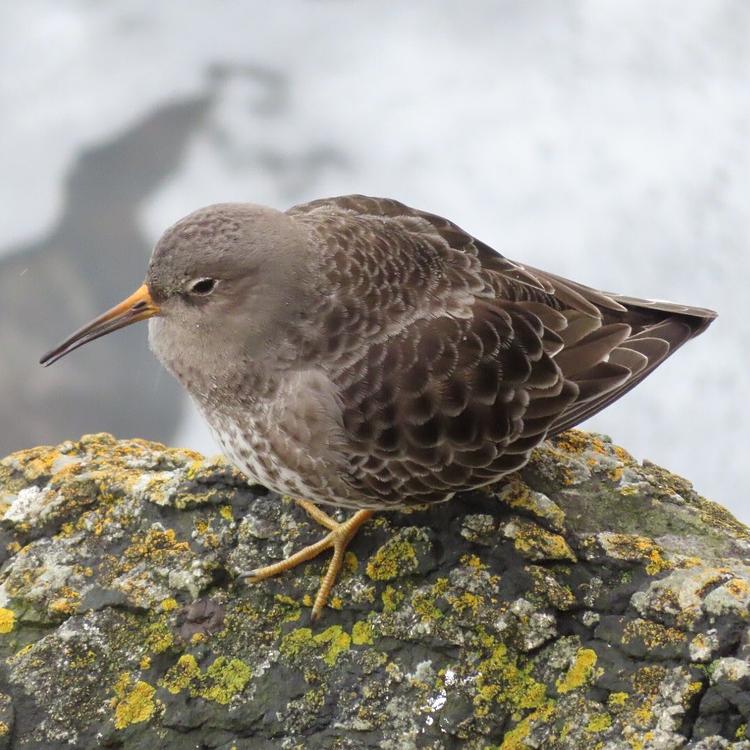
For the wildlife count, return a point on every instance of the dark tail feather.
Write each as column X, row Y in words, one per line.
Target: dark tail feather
column 608, row 361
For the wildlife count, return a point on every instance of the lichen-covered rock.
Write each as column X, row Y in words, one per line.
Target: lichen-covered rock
column 587, row 602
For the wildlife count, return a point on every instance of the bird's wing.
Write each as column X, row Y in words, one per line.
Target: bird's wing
column 611, row 342
column 464, row 360
column 445, row 404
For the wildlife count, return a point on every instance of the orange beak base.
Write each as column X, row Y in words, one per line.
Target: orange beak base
column 138, row 306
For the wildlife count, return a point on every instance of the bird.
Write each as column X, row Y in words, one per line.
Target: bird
column 358, row 353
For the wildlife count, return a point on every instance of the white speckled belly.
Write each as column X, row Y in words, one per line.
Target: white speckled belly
column 249, row 452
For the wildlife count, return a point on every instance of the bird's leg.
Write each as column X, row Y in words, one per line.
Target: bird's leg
column 338, row 538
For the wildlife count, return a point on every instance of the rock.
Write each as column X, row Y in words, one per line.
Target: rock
column 588, row 601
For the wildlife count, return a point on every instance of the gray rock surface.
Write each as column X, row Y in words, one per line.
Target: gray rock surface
column 589, row 601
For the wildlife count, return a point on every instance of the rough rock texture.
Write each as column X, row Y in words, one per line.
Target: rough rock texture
column 589, row 602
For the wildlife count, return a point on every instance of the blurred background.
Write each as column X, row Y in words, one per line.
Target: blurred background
column 601, row 140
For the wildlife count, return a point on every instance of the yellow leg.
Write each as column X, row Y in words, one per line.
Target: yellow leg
column 338, row 538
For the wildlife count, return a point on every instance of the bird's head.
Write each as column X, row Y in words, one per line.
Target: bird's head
column 227, row 280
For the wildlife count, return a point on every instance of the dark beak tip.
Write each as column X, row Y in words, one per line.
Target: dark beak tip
column 138, row 306
column 47, row 359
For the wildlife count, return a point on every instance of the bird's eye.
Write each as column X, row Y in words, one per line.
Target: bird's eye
column 202, row 287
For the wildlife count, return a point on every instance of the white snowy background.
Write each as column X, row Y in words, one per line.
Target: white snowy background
column 607, row 141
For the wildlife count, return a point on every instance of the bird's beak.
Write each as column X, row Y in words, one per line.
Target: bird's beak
column 138, row 306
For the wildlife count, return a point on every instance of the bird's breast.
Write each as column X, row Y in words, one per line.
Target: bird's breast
column 289, row 441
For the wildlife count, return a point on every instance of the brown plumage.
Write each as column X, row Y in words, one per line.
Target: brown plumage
column 358, row 352
column 451, row 362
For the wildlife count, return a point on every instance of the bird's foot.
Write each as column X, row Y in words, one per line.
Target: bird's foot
column 338, row 538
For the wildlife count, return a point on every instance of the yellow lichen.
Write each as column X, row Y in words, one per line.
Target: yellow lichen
column 394, row 558
column 517, row 494
column 144, row 663
column 225, row 511
column 536, row 543
column 296, row 642
column 157, row 546
column 391, row 599
column 579, row 673
column 738, row 588
column 337, row 640
column 7, row 620
column 501, row 680
column 290, row 610
column 643, row 716
column 132, row 704
column 66, row 603
column 465, row 601
column 632, row 547
column 4, row 728
column 350, row 562
column 598, row 723
column 180, row 674
column 223, row 680
column 515, row 738
column 168, row 605
column 473, row 561
column 653, row 634
column 578, row 441
column 617, row 700
column 648, row 680
column 423, row 601
column 361, row 633
column 158, row 637
column 549, row 589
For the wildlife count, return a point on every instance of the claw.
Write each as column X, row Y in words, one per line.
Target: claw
column 338, row 538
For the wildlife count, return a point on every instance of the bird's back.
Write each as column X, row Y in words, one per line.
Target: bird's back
column 452, row 362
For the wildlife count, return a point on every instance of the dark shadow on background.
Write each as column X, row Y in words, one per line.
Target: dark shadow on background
column 93, row 256
column 97, row 254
